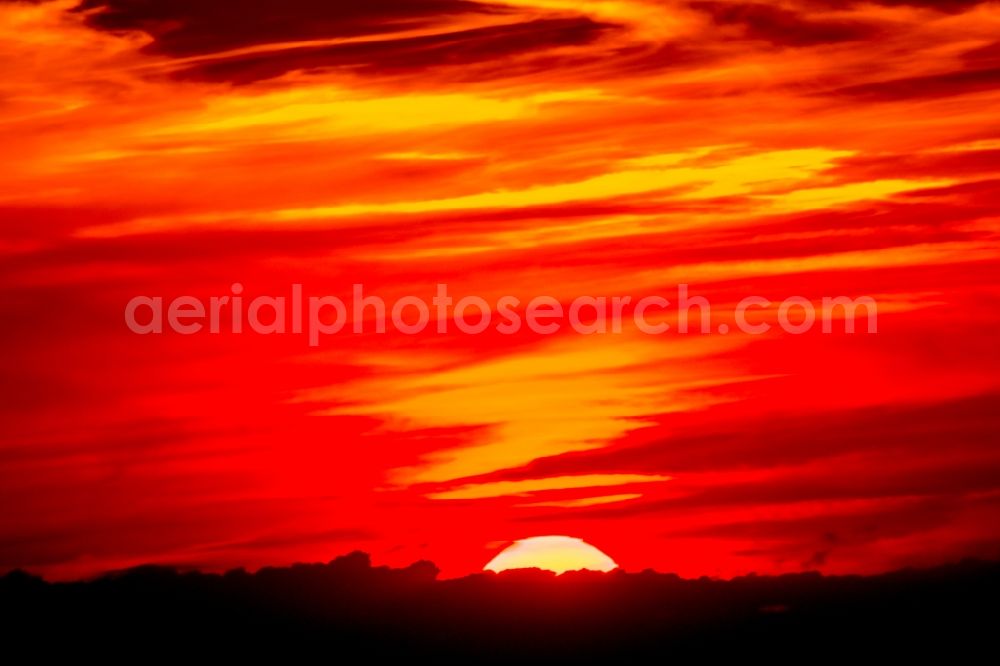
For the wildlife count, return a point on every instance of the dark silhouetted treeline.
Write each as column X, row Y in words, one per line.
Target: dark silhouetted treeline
column 350, row 612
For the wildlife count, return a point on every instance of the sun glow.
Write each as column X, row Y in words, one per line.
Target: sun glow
column 552, row 553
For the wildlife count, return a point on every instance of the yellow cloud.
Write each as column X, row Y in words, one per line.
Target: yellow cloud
column 524, row 486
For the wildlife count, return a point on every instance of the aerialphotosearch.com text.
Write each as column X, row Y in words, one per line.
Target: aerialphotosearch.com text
column 317, row 317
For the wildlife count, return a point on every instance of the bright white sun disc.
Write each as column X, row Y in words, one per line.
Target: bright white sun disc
column 552, row 553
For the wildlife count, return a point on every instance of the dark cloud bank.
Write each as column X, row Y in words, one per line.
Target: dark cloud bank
column 349, row 612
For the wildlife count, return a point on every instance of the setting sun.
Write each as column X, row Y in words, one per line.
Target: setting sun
column 346, row 327
column 552, row 553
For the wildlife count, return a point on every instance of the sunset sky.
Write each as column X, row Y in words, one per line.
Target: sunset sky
column 518, row 147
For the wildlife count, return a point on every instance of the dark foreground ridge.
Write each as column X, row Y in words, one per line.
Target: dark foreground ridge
column 350, row 612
